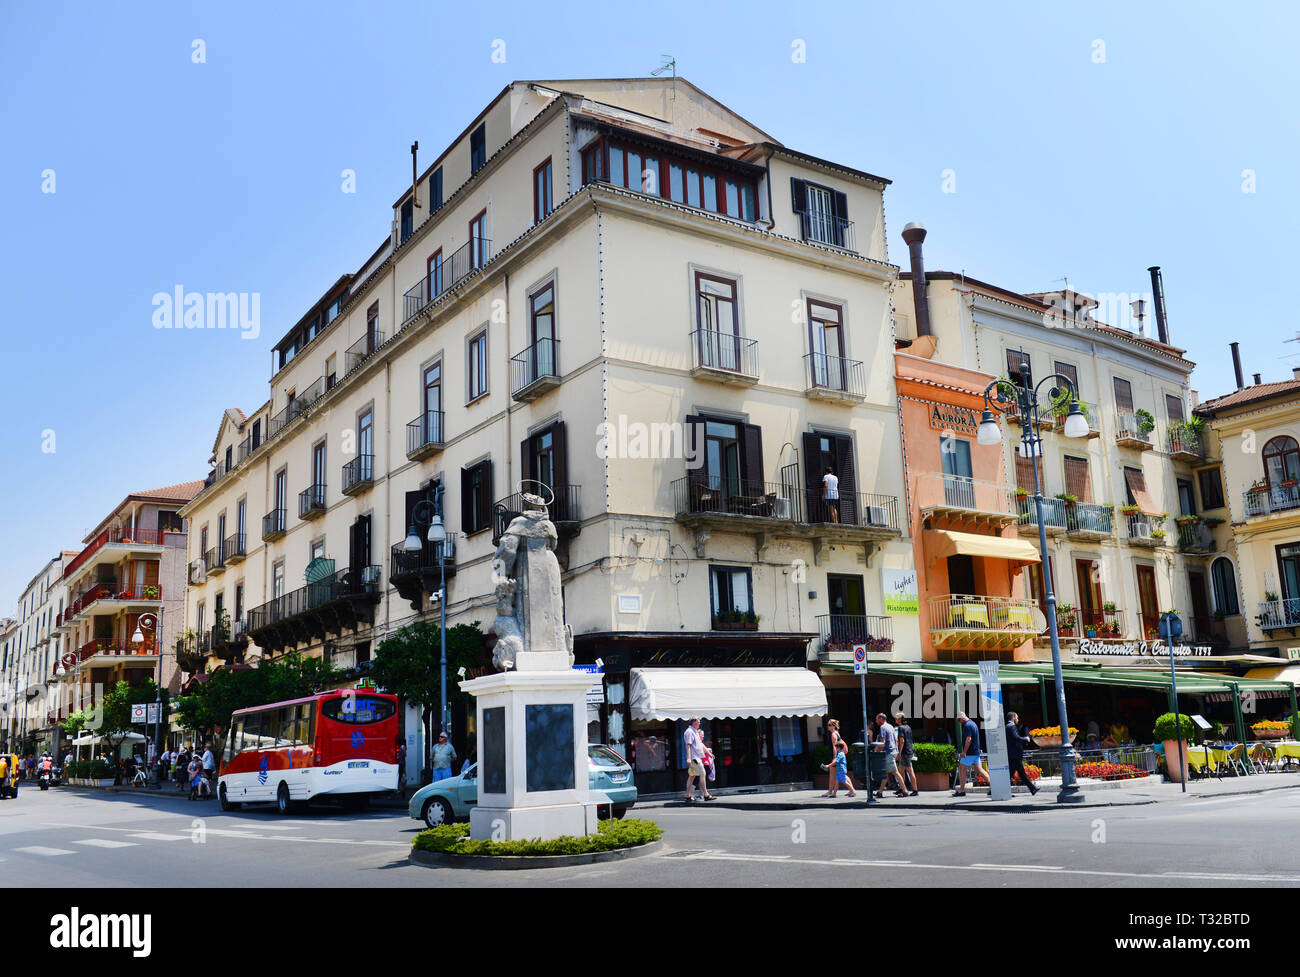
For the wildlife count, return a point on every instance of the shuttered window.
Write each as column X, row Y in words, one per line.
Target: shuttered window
column 823, row 212
column 1137, row 491
column 1174, row 405
column 1077, row 480
column 1025, row 473
column 1123, row 395
column 476, row 497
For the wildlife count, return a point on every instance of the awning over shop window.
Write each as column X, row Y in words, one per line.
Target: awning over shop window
column 725, row 693
column 941, row 543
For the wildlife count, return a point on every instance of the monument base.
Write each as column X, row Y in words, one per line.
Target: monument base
column 523, row 823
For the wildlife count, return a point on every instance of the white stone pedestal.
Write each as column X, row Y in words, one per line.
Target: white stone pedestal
column 532, row 752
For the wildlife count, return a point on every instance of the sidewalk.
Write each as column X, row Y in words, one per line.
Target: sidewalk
column 1117, row 793
column 381, row 803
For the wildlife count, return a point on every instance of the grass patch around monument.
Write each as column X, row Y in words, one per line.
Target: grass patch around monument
column 609, row 836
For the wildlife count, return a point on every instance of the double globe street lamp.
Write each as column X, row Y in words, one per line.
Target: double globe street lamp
column 153, row 624
column 1023, row 396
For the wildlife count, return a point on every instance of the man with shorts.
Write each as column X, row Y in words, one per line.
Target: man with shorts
column 693, row 741
column 968, row 755
column 888, row 744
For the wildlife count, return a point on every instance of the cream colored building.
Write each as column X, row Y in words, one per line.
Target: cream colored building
column 1256, row 576
column 625, row 292
column 1141, row 453
column 33, row 648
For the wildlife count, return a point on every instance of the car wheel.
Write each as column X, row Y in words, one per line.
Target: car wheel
column 620, row 810
column 437, row 811
column 282, row 803
column 226, row 803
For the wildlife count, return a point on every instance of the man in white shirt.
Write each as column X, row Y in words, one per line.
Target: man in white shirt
column 831, row 495
column 209, row 764
column 694, row 744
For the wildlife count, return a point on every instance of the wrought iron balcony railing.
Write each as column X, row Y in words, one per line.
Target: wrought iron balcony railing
column 724, row 353
column 535, row 370
column 834, row 377
column 311, row 501
column 424, row 435
column 472, row 255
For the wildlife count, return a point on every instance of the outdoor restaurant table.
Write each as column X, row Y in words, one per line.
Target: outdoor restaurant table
column 1285, row 748
column 1020, row 616
column 1201, row 756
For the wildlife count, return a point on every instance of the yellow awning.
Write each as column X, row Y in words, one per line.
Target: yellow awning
column 941, row 543
column 1287, row 673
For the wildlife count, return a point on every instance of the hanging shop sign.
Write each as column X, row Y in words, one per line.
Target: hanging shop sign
column 1140, row 649
column 949, row 417
column 900, row 592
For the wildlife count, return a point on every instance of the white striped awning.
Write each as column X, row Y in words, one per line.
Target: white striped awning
column 726, row 693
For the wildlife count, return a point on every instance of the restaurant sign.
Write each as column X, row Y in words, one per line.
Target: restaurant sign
column 1140, row 649
column 900, row 592
column 948, row 417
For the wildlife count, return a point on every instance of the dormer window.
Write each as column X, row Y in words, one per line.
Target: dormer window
column 478, row 148
column 823, row 213
column 408, row 220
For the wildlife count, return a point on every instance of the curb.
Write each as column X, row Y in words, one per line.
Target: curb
column 442, row 859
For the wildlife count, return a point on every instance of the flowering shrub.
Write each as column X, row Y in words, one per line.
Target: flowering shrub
column 1270, row 724
column 1033, row 771
column 1049, row 731
column 1108, row 771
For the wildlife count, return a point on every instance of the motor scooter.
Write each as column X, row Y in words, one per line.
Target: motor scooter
column 45, row 780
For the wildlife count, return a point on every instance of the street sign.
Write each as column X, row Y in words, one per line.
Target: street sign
column 995, row 732
column 139, row 713
column 859, row 659
column 595, row 694
column 154, row 711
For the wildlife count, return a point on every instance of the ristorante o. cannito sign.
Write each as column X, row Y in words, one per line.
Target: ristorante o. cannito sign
column 1139, row 649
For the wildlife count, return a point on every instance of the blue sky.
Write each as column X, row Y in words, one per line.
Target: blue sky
column 225, row 176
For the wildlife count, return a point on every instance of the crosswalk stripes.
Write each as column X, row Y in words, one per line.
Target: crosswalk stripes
column 158, row 836
column 41, row 850
column 105, row 843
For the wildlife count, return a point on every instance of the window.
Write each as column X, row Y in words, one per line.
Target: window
column 541, row 327
column 478, row 241
column 1077, row 481
column 241, row 522
column 230, row 457
column 358, row 710
column 203, row 541
column 318, row 473
column 1174, row 407
column 1123, row 396
column 823, row 212
column 317, row 550
column 1017, row 365
column 1186, row 500
column 478, row 148
column 542, row 202
column 372, row 325
column 477, row 365
column 277, row 580
column 1224, row 582
column 432, row 395
column 1135, row 484
column 718, row 320
column 1211, row 488
column 1281, row 462
column 476, row 497
column 366, row 443
column 281, row 492
column 1069, row 371
column 730, row 591
column 593, row 163
column 435, row 190
column 408, row 220
column 331, row 371
column 239, row 601
column 257, row 433
column 434, row 274
column 826, row 344
column 717, row 190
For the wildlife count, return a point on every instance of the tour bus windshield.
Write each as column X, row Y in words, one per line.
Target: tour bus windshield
column 358, row 710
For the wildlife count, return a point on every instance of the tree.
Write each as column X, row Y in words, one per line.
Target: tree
column 115, row 721
column 207, row 711
column 407, row 664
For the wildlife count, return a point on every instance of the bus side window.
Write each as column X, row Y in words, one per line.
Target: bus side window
column 306, row 719
column 252, row 728
column 270, row 728
column 286, row 722
column 233, row 738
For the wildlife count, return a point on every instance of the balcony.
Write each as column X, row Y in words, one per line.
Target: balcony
column 1185, row 444
column 244, row 450
column 1054, row 516
column 113, row 545
column 215, row 559
column 424, row 435
column 229, row 642
column 1194, row 537
column 415, row 574
column 535, row 370
column 840, row 632
column 1014, row 416
column 345, row 599
column 275, row 524
column 469, row 257
column 361, row 350
column 111, row 597
column 1267, row 500
column 1091, row 415
column 301, row 403
column 235, row 548
column 833, row 232
column 108, row 651
column 311, row 501
column 1087, row 521
column 834, row 378
column 1077, row 622
column 1275, row 614
column 724, row 357
column 967, row 500
column 189, row 659
column 565, row 512
column 1144, row 530
column 359, row 474
column 969, row 622
column 1132, row 431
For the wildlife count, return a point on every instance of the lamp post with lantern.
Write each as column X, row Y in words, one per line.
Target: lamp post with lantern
column 1025, row 396
column 429, row 513
column 153, row 624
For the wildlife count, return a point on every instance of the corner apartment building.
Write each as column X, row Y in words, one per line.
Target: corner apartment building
column 623, row 296
column 33, row 647
column 1119, row 552
column 130, row 574
column 1255, row 571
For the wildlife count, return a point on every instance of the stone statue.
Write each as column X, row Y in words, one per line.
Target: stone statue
column 526, row 577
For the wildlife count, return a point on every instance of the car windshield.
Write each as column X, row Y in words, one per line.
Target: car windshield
column 603, row 756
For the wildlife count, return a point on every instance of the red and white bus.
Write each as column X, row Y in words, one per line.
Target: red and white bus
column 342, row 743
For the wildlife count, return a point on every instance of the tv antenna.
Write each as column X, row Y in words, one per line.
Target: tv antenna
column 670, row 64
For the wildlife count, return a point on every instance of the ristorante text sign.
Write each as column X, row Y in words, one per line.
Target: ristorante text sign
column 1139, row 649
column 947, row 417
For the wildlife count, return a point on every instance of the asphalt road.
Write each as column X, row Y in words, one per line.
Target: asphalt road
column 79, row 838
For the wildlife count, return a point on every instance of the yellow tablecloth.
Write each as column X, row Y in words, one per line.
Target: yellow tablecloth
column 1285, row 748
column 1020, row 616
column 970, row 614
column 1198, row 757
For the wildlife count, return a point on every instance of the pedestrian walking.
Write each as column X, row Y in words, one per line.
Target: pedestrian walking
column 22, row 768
column 1017, row 742
column 444, row 755
column 838, row 771
column 906, row 751
column 693, row 740
column 888, row 744
column 968, row 754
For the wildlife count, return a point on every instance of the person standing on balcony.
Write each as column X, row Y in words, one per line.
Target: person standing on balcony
column 831, row 495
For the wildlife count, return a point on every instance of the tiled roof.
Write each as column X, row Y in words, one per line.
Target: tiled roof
column 1249, row 395
column 182, row 492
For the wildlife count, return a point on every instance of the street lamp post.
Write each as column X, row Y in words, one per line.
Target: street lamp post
column 429, row 513
column 1025, row 396
column 155, row 628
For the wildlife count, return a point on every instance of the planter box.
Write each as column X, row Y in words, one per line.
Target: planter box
column 932, row 781
column 1270, row 734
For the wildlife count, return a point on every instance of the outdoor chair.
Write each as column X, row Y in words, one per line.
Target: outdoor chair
column 1260, row 758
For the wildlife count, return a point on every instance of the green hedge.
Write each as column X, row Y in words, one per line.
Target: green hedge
column 1166, row 727
column 90, row 769
column 610, row 835
column 935, row 758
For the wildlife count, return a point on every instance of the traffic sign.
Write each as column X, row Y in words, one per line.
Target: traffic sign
column 154, row 712
column 859, row 659
column 139, row 713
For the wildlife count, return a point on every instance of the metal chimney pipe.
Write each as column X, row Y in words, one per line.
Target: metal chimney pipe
column 1258, row 381
column 914, row 234
column 1236, row 364
column 1158, row 293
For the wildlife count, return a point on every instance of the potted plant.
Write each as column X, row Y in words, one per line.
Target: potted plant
column 1069, row 498
column 1066, row 619
column 1270, row 596
column 934, row 764
column 1157, row 533
column 1167, row 730
column 749, row 620
column 1109, row 606
column 1130, row 510
column 1270, row 730
column 1047, row 736
column 151, row 592
column 1111, row 628
column 1146, row 422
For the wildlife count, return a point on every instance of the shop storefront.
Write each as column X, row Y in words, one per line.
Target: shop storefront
column 760, row 706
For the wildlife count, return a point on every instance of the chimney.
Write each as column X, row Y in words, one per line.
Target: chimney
column 1295, row 372
column 1158, row 293
column 1258, row 381
column 1236, row 364
column 914, row 234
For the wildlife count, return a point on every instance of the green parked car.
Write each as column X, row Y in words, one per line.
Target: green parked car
column 445, row 801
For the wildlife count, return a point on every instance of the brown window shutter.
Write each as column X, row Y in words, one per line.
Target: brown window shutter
column 467, row 500
column 1077, row 481
column 1024, row 472
column 1137, row 486
column 1123, row 395
column 485, row 494
column 752, row 448
column 799, row 194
